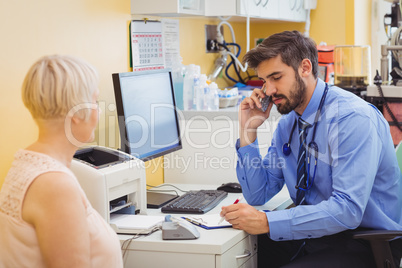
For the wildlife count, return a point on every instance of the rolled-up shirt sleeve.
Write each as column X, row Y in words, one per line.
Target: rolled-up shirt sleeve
column 260, row 178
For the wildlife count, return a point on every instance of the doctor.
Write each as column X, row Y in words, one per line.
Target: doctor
column 333, row 151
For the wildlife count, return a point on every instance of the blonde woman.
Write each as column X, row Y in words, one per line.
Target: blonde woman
column 45, row 217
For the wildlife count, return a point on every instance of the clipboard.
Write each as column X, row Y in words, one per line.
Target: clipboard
column 209, row 221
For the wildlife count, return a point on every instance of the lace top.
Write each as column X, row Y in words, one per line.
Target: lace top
column 19, row 244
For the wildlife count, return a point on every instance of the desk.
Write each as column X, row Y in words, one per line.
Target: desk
column 218, row 248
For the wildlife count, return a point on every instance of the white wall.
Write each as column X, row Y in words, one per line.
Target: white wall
column 378, row 35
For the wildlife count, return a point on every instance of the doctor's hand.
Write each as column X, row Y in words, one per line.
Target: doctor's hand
column 247, row 218
column 251, row 116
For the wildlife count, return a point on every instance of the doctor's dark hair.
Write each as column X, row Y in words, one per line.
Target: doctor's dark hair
column 292, row 46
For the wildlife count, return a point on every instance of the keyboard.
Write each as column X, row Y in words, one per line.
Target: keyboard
column 195, row 202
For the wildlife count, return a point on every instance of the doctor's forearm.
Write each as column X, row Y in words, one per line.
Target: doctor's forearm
column 247, row 136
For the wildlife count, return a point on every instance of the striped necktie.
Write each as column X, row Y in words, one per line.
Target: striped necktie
column 301, row 163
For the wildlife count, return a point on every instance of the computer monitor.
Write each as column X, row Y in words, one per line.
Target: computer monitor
column 147, row 116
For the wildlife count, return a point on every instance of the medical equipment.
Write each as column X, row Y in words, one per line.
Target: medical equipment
column 387, row 93
column 312, row 145
column 113, row 181
column 352, row 68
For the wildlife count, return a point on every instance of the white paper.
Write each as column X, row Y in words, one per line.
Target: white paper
column 171, row 41
column 209, row 220
column 135, row 222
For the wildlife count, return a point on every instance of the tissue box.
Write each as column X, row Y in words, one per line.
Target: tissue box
column 228, row 102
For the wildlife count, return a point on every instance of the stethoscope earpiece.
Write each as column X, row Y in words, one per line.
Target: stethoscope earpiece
column 286, row 149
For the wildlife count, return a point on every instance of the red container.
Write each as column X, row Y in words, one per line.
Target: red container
column 325, row 62
column 396, row 108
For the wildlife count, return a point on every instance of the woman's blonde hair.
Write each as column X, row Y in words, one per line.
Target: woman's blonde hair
column 56, row 84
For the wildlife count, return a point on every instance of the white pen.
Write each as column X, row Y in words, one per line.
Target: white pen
column 235, row 202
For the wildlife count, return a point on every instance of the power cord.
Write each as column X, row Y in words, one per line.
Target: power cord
column 233, row 60
column 166, row 184
column 126, row 244
column 378, row 82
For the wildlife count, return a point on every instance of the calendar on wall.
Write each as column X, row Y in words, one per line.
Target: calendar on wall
column 147, row 45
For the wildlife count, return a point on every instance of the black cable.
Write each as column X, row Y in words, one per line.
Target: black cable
column 233, row 62
column 377, row 82
column 389, row 109
column 250, row 77
column 236, row 70
column 227, row 71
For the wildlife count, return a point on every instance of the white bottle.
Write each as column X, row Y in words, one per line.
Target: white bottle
column 199, row 92
column 206, row 97
column 213, row 97
column 196, row 82
column 191, row 77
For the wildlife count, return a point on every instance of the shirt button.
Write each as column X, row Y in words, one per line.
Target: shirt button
column 280, row 238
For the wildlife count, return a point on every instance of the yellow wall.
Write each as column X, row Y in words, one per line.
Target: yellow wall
column 97, row 31
column 94, row 30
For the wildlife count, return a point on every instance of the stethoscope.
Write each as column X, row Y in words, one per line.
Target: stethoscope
column 312, row 145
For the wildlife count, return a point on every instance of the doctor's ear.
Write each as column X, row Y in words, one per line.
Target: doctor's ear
column 306, row 67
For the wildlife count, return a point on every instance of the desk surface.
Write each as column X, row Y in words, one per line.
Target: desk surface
column 215, row 241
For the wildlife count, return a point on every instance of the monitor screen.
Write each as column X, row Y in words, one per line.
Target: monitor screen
column 147, row 116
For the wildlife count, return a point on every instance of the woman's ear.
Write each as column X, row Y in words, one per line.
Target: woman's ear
column 306, row 67
column 75, row 119
column 72, row 129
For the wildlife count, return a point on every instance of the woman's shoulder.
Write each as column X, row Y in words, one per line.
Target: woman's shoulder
column 50, row 192
column 28, row 168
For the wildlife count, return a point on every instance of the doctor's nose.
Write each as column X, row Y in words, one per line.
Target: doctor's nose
column 270, row 89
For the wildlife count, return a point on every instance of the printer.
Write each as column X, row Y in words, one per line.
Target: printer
column 113, row 181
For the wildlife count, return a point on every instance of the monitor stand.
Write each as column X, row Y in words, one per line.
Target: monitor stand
column 158, row 200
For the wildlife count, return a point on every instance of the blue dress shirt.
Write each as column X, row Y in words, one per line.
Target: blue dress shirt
column 357, row 182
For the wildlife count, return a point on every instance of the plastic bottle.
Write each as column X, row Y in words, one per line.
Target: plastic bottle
column 213, row 97
column 206, row 97
column 191, row 79
column 200, row 92
column 178, row 71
